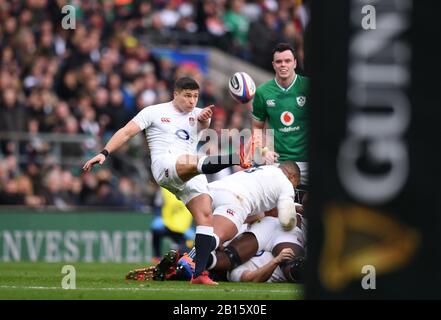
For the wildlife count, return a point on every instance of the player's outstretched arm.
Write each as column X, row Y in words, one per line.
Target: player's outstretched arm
column 263, row 273
column 117, row 140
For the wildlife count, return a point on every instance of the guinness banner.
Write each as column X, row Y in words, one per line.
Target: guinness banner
column 375, row 218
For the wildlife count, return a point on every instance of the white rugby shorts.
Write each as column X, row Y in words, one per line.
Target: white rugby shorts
column 165, row 174
column 228, row 205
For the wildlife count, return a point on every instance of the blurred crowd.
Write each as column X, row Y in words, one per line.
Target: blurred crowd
column 92, row 79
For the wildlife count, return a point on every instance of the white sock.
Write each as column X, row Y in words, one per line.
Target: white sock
column 217, row 240
column 207, row 230
column 200, row 163
column 213, row 264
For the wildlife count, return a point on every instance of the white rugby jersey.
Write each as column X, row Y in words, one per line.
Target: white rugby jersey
column 168, row 130
column 258, row 261
column 258, row 189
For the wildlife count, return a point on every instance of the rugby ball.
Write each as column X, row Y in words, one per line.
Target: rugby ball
column 242, row 87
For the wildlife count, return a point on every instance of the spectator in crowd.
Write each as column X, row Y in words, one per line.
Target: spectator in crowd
column 12, row 112
column 237, row 26
column 106, row 196
column 267, row 32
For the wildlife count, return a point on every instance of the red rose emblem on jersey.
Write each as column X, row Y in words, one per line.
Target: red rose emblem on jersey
column 287, row 118
column 191, row 121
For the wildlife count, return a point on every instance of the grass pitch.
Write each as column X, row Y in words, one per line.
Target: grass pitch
column 23, row 280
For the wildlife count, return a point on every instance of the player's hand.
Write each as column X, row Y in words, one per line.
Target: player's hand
column 285, row 254
column 99, row 158
column 269, row 157
column 206, row 113
column 299, row 208
column 272, row 213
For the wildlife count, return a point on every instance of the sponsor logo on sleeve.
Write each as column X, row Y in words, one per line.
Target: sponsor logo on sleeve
column 270, row 103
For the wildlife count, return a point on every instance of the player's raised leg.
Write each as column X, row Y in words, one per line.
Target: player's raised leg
column 189, row 166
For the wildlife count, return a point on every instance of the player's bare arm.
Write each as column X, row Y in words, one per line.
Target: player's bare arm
column 253, row 218
column 118, row 139
column 262, row 274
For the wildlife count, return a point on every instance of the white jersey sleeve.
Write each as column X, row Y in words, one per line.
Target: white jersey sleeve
column 144, row 118
column 286, row 209
column 235, row 274
column 286, row 191
column 259, row 189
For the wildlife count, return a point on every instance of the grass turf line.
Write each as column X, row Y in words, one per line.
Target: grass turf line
column 27, row 280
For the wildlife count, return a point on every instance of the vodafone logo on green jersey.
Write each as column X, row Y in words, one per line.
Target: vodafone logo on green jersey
column 287, row 118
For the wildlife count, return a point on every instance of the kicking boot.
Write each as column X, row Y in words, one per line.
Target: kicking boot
column 142, row 274
column 245, row 158
column 167, row 266
column 185, row 268
column 203, row 278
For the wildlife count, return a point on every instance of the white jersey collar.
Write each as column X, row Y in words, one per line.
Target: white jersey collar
column 290, row 86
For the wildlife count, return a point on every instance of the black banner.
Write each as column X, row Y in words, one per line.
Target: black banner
column 375, row 227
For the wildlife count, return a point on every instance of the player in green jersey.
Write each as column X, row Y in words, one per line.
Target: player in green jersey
column 283, row 103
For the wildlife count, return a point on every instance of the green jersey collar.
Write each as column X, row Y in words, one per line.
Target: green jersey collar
column 290, row 86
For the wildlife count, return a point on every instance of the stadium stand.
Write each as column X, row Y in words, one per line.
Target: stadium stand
column 64, row 92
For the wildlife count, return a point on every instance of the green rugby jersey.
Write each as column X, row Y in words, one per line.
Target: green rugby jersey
column 287, row 113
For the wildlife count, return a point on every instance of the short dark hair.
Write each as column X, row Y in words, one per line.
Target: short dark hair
column 283, row 46
column 186, row 83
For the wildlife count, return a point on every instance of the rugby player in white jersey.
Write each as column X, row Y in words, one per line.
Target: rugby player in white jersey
column 263, row 267
column 172, row 132
column 247, row 193
column 283, row 258
column 250, row 192
column 263, row 252
column 237, row 199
